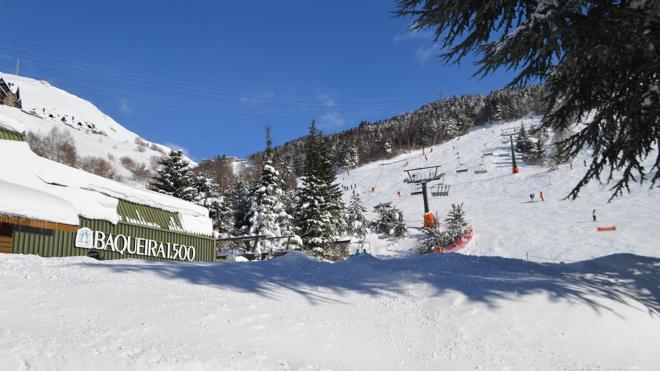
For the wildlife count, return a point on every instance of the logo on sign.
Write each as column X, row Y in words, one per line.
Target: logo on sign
column 85, row 238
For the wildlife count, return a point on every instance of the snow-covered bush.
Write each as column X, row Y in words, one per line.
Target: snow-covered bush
column 390, row 220
column 357, row 223
column 454, row 227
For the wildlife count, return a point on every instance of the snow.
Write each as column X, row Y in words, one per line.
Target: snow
column 107, row 139
column 440, row 311
column 23, row 201
column 91, row 196
column 497, row 203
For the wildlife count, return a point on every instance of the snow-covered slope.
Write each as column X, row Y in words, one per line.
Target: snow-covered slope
column 497, row 203
column 95, row 133
column 448, row 312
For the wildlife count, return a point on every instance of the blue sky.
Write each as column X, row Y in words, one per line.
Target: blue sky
column 209, row 75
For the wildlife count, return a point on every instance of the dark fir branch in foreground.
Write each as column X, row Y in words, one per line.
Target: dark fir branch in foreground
column 599, row 61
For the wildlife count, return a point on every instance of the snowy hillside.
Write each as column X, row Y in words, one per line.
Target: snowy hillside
column 497, row 203
column 441, row 311
column 95, row 133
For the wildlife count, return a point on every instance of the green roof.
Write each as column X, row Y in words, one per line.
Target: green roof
column 138, row 214
column 6, row 134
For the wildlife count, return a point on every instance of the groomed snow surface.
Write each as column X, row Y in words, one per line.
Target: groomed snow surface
column 434, row 312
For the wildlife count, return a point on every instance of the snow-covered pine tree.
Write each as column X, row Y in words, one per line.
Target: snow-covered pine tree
column 313, row 217
column 223, row 217
column 174, row 177
column 357, row 223
column 238, row 199
column 455, row 222
column 331, row 191
column 523, row 143
column 208, row 191
column 390, row 220
column 267, row 215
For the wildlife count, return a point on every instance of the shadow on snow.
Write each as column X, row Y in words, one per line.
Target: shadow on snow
column 625, row 278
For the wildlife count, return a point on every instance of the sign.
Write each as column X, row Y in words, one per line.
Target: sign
column 88, row 239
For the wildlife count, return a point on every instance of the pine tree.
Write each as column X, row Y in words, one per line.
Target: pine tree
column 208, row 191
column 455, row 222
column 357, row 223
column 523, row 143
column 174, row 177
column 390, row 220
column 314, row 219
column 238, row 199
column 599, row 57
column 223, row 217
column 267, row 215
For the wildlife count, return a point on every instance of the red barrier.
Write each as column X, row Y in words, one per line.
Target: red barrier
column 459, row 244
column 606, row 229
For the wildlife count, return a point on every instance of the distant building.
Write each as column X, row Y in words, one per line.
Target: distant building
column 8, row 97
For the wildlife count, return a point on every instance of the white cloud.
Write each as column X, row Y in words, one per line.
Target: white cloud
column 327, row 99
column 124, row 106
column 424, row 53
column 413, row 35
column 332, row 120
column 257, row 98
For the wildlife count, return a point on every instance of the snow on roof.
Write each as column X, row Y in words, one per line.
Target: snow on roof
column 10, row 123
column 28, row 202
column 91, row 196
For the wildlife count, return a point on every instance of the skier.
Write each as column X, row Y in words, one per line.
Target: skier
column 593, row 215
column 531, row 197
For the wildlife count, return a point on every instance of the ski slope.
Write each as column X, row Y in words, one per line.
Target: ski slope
column 439, row 311
column 95, row 133
column 497, row 203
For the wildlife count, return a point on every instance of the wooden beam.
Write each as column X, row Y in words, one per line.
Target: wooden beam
column 38, row 223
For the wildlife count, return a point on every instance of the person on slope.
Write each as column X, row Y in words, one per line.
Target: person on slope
column 593, row 215
column 531, row 197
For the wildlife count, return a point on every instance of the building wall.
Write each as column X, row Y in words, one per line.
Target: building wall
column 11, row 135
column 49, row 243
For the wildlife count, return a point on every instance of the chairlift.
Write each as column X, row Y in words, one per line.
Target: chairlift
column 441, row 190
column 480, row 170
column 463, row 170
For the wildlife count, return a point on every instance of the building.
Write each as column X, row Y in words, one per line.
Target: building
column 53, row 210
column 8, row 97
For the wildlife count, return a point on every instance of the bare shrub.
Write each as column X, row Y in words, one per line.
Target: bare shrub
column 111, row 157
column 155, row 147
column 140, row 149
column 140, row 142
column 58, row 146
column 141, row 173
column 98, row 166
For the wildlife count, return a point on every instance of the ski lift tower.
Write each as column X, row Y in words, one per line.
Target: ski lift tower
column 511, row 132
column 423, row 176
